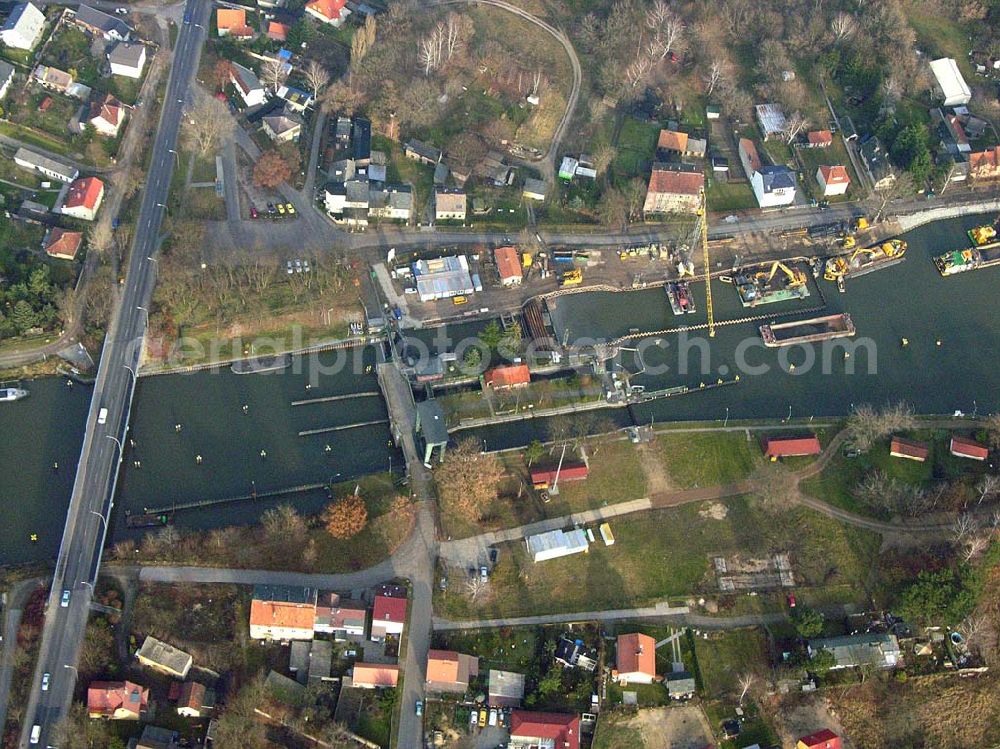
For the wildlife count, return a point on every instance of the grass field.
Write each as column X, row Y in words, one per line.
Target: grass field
column 707, row 458
column 665, row 553
column 729, row 196
column 33, row 137
column 636, row 148
column 725, row 655
column 616, row 475
column 811, row 160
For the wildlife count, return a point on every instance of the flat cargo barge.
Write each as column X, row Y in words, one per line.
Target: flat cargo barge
column 808, row 331
column 681, row 301
column 974, row 258
column 261, row 364
column 768, row 284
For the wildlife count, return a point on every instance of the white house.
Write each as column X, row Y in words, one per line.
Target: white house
column 35, row 162
column 128, row 59
column 773, row 186
column 6, row 76
column 24, row 27
column 950, row 83
column 106, row 116
column 449, row 204
column 250, row 88
column 84, row 198
column 833, row 180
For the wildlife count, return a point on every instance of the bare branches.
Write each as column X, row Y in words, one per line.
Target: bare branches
column 209, row 124
column 362, row 41
column 987, row 486
column 667, row 29
column 774, row 486
column 712, row 76
column 794, row 125
column 867, row 424
column 968, row 536
column 842, row 26
column 273, row 73
column 317, row 76
column 746, row 681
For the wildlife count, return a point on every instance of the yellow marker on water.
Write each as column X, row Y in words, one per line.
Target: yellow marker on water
column 34, row 538
column 906, row 341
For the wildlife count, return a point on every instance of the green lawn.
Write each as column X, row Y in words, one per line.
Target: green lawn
column 616, row 475
column 33, row 137
column 636, row 148
column 407, row 171
column 729, row 196
column 707, row 458
column 666, row 553
column 812, row 159
column 726, row 655
column 614, row 732
column 69, row 50
column 837, row 483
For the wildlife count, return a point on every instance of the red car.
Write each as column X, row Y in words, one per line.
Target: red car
column 791, row 601
column 253, row 212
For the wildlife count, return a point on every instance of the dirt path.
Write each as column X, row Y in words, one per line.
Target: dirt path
column 657, row 477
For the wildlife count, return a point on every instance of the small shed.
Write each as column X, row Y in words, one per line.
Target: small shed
column 787, row 447
column 963, row 447
column 431, row 424
column 900, row 447
column 555, row 544
column 541, row 477
column 504, row 378
column 534, row 189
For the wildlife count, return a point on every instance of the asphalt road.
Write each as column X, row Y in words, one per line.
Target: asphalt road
column 107, row 422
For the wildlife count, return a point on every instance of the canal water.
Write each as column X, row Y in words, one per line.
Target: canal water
column 909, row 301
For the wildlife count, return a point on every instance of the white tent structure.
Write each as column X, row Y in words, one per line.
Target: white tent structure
column 950, row 82
column 555, row 544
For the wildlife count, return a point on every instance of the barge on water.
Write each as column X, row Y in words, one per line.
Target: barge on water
column 865, row 260
column 767, row 284
column 808, row 331
column 148, row 519
column 261, row 364
column 681, row 300
column 974, row 258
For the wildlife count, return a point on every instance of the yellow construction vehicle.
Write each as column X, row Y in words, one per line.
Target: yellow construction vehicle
column 848, row 242
column 982, row 234
column 571, row 278
column 864, row 259
column 795, row 276
column 861, row 224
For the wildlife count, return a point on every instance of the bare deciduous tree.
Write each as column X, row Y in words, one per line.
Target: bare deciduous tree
column 636, row 72
column 209, row 124
column 867, row 425
column 317, row 77
column 362, row 41
column 987, row 486
column 746, row 681
column 842, row 26
column 667, row 29
column 712, row 76
column 795, row 124
column 880, row 198
column 273, row 73
column 774, row 485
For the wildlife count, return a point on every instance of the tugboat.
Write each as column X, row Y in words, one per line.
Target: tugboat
column 865, row 260
column 9, row 395
column 681, row 301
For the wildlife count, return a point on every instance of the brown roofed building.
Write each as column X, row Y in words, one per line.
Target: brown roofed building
column 63, row 244
column 509, row 265
column 671, row 140
column 504, row 378
column 277, row 31
column 834, row 180
column 332, row 12
column 900, row 447
column 963, row 447
column 374, row 676
column 84, row 198
column 106, row 116
column 164, row 657
column 636, row 659
column 195, row 700
column 282, row 612
column 448, row 671
column 340, row 617
column 388, row 612
column 984, row 166
column 233, row 22
column 787, row 447
column 530, row 730
column 116, row 700
column 674, row 188
column 819, row 138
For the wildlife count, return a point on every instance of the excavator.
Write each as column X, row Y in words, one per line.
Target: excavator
column 571, row 278
column 795, row 277
column 864, row 260
column 981, row 235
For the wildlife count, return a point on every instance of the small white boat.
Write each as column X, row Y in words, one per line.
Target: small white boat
column 8, row 395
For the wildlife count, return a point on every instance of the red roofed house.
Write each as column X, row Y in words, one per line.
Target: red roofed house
column 749, row 157
column 116, row 700
column 277, row 31
column 332, row 12
column 106, row 116
column 569, row 472
column 194, row 700
column 374, row 676
column 636, row 659
column 787, row 447
column 963, row 447
column 900, row 447
column 833, row 179
column 448, row 671
column 509, row 265
column 674, row 188
column 63, row 244
column 233, row 22
column 819, row 139
column 282, row 612
column 388, row 612
column 504, row 378
column 544, row 730
column 825, row 739
column 985, row 165
column 84, row 198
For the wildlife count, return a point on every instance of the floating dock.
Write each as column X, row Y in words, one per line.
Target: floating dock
column 808, row 331
column 261, row 364
column 681, row 300
column 767, row 284
column 865, row 260
column 974, row 258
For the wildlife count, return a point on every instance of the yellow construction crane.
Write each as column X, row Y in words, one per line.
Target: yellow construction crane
column 703, row 217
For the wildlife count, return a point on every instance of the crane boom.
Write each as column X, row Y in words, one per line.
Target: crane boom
column 708, row 267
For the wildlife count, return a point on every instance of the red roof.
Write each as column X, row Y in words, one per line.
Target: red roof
column 776, row 447
column 751, row 151
column 85, row 193
column 277, row 31
column 107, row 697
column 45, row 104
column 108, row 108
column 505, row 377
column 562, row 728
column 508, row 262
column 963, row 447
column 636, row 654
column 389, row 609
column 676, row 183
column 986, row 161
column 825, row 739
column 835, row 175
column 671, row 140
column 63, row 243
column 329, row 9
column 569, row 472
column 820, row 137
column 900, row 447
column 960, row 137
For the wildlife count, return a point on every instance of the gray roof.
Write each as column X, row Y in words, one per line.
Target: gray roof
column 283, row 121
column 320, row 659
column 432, row 422
column 247, row 78
column 282, row 688
column 6, row 71
column 876, row 649
column 680, row 683
column 535, row 186
column 506, row 684
column 395, row 196
column 164, row 654
column 127, row 53
column 357, row 191
column 101, row 20
column 154, row 737
column 424, row 150
column 875, row 158
column 777, row 178
column 69, row 173
column 298, row 656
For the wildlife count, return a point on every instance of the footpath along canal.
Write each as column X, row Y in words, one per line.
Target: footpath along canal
column 910, row 300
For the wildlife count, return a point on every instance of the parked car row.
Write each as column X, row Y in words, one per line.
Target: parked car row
column 297, row 266
column 494, row 716
column 273, row 210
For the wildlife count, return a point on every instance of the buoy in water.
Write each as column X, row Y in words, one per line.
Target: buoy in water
column 34, row 538
column 938, row 342
column 263, row 453
column 905, row 341
column 177, row 427
column 197, row 459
